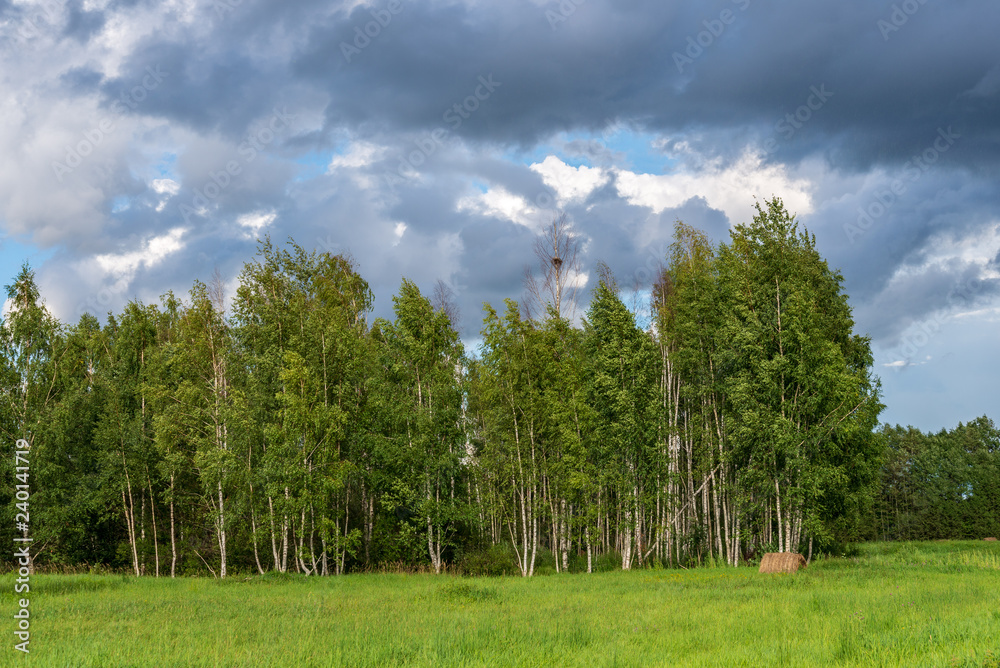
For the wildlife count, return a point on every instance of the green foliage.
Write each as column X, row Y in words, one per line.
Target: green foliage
column 423, row 358
column 803, row 402
column 492, row 561
column 944, row 485
column 621, row 388
column 291, row 433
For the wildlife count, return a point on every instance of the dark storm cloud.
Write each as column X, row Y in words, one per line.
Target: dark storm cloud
column 213, row 95
column 941, row 289
column 884, row 265
column 82, row 25
column 611, row 61
column 80, row 80
column 887, row 91
column 454, row 97
column 496, row 252
column 595, row 152
column 634, row 243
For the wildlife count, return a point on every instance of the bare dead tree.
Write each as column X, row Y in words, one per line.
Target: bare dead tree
column 641, row 309
column 217, row 291
column 660, row 301
column 557, row 250
column 605, row 275
column 444, row 300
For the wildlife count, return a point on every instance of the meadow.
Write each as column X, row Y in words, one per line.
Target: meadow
column 894, row 604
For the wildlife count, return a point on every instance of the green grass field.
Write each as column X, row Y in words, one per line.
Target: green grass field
column 897, row 604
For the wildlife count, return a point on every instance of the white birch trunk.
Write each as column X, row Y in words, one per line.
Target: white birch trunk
column 130, row 526
column 274, row 535
column 152, row 511
column 777, row 500
column 173, row 533
column 222, row 534
column 253, row 528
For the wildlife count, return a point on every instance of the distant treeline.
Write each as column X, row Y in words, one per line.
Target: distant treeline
column 944, row 485
column 290, row 432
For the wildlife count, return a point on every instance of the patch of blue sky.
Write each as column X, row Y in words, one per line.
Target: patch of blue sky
column 316, row 163
column 641, row 155
column 637, row 150
column 638, row 301
column 120, row 203
column 166, row 166
column 14, row 253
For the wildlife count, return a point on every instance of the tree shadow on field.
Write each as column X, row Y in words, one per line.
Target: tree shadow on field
column 464, row 592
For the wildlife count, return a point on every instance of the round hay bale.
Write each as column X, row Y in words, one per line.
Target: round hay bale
column 782, row 562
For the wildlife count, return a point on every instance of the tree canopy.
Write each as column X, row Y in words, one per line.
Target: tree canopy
column 293, row 432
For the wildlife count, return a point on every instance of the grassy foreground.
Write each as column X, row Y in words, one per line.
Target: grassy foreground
column 902, row 604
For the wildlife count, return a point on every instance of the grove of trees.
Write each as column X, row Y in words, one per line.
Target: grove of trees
column 944, row 485
column 291, row 432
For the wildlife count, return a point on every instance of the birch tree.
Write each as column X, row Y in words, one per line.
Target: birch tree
column 567, row 420
column 200, row 410
column 71, row 507
column 622, row 389
column 301, row 329
column 804, row 404
column 512, row 426
column 427, row 357
column 27, row 338
column 293, row 436
column 695, row 438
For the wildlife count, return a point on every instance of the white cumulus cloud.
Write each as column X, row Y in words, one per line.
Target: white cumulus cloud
column 730, row 189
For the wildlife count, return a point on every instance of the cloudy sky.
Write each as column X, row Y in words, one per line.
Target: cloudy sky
column 148, row 143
